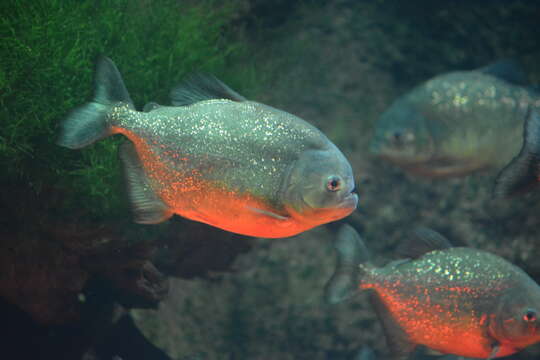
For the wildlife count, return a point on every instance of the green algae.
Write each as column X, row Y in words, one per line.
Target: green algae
column 48, row 50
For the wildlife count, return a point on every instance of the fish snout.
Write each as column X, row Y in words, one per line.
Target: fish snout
column 349, row 197
column 350, row 201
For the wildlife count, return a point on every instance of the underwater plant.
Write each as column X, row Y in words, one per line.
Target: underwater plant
column 48, row 47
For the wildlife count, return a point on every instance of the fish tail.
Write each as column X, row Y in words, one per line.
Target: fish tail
column 90, row 122
column 352, row 254
column 522, row 173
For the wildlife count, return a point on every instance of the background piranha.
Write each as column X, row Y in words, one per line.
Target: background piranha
column 457, row 123
column 217, row 158
column 455, row 300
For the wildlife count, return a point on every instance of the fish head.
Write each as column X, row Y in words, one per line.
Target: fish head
column 517, row 322
column 402, row 135
column 320, row 186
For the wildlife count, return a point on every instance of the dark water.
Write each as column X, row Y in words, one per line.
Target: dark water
column 80, row 280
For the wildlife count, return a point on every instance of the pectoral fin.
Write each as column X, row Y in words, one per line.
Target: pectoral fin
column 268, row 213
column 494, row 351
column 148, row 208
column 396, row 338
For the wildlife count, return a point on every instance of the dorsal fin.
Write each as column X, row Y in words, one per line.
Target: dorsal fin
column 397, row 340
column 421, row 241
column 198, row 87
column 150, row 106
column 109, row 85
column 507, row 70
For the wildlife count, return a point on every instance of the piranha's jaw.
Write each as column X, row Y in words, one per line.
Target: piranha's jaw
column 350, row 202
column 319, row 216
column 519, row 344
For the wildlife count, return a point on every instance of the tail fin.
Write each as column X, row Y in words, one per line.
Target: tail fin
column 523, row 172
column 88, row 123
column 351, row 252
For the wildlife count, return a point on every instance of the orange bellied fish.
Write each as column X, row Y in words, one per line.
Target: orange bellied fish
column 217, row 158
column 522, row 174
column 454, row 300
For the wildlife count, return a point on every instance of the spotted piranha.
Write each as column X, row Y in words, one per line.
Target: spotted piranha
column 217, row 158
column 455, row 300
column 457, row 123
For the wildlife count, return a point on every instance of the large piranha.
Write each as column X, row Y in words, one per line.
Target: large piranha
column 217, row 158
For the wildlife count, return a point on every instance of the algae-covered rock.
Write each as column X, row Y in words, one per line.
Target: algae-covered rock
column 48, row 51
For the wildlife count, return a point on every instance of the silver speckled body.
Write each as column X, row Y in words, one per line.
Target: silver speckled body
column 216, row 157
column 216, row 160
column 246, row 145
column 460, row 122
column 448, row 299
column 477, row 111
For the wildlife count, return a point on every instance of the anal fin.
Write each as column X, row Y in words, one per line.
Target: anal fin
column 147, row 207
column 397, row 340
column 268, row 213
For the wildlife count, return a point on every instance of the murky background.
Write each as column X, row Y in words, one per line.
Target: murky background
column 79, row 280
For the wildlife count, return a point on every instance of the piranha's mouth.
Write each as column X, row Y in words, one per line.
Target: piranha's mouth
column 337, row 211
column 350, row 201
column 344, row 208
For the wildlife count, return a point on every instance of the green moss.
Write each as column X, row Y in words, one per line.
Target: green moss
column 48, row 48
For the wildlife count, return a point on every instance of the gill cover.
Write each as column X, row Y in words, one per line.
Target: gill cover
column 319, row 179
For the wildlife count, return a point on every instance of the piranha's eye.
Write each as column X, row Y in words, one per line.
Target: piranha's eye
column 333, row 183
column 530, row 316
